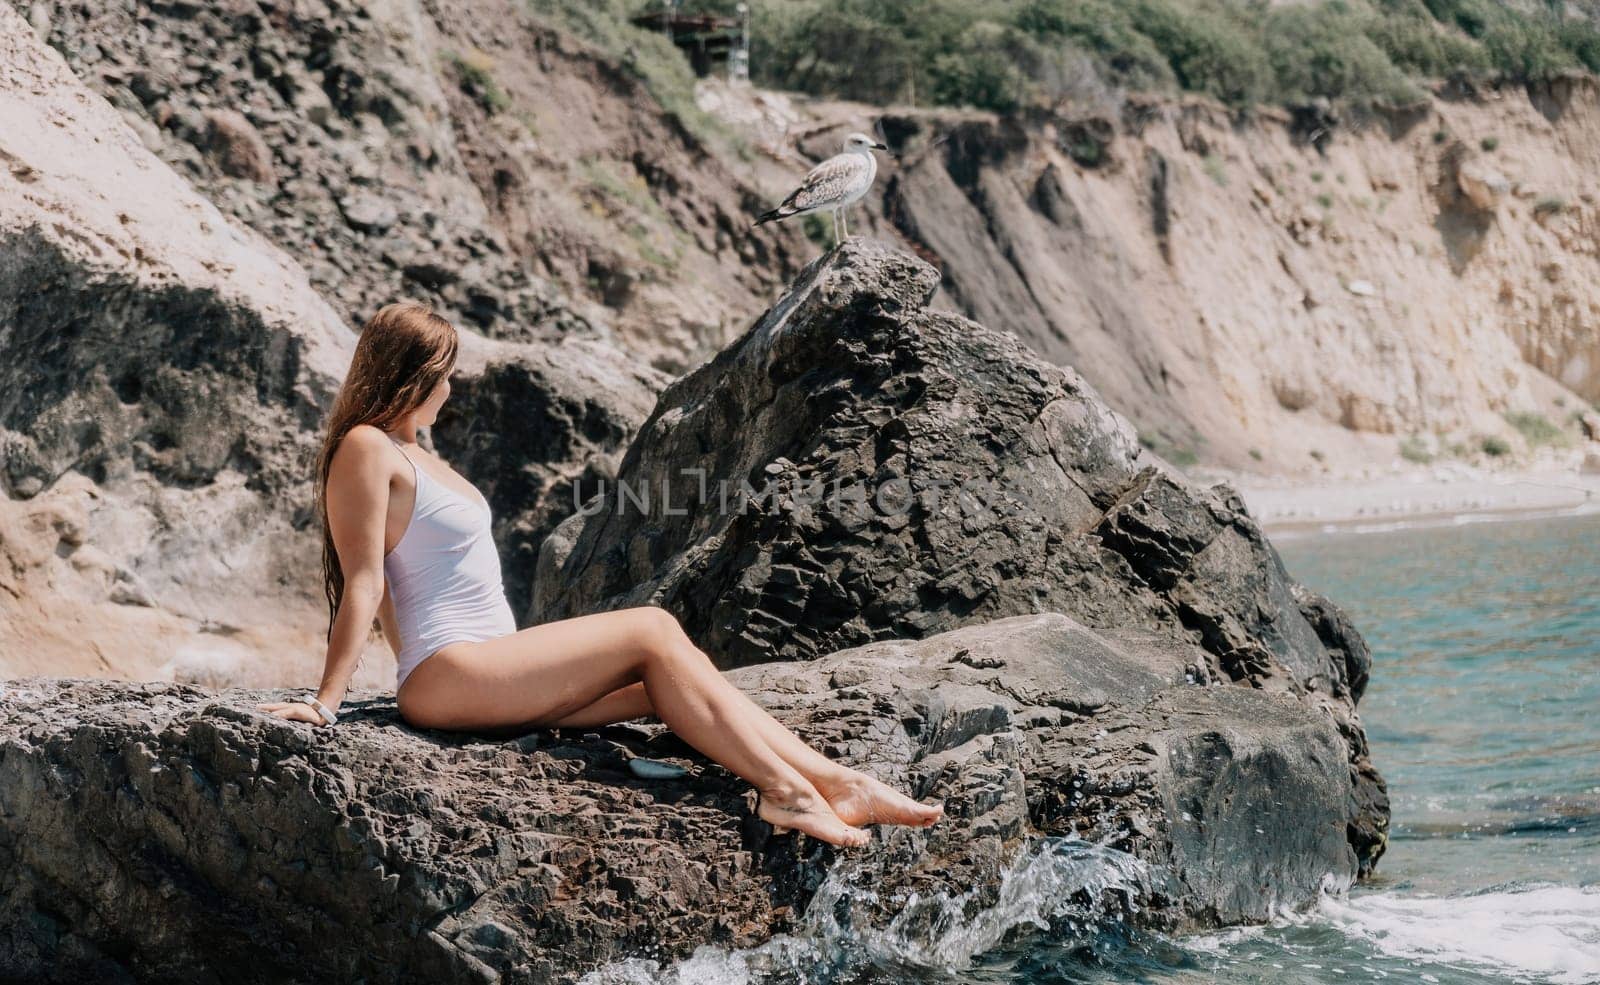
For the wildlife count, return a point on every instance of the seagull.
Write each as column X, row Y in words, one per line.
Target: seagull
column 834, row 185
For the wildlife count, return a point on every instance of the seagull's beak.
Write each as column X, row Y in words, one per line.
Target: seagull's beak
column 879, row 147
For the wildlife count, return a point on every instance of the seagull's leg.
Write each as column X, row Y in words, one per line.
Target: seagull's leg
column 835, row 214
column 844, row 218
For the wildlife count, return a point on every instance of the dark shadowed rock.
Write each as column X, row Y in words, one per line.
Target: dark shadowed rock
column 154, row 832
column 161, row 832
column 859, row 467
column 538, row 429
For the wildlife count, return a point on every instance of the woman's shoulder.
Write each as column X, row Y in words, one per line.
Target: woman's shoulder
column 366, row 435
column 364, row 443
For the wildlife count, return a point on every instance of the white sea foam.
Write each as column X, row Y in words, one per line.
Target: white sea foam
column 940, row 933
column 1544, row 934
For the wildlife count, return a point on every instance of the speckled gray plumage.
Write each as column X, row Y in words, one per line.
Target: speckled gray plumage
column 840, row 180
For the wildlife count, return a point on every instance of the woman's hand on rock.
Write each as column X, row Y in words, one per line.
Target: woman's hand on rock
column 294, row 711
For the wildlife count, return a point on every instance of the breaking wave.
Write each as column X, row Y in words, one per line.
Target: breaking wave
column 1065, row 885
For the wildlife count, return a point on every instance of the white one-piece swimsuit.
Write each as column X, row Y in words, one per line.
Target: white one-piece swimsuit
column 444, row 575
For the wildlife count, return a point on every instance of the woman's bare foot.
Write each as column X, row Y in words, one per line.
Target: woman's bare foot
column 810, row 814
column 862, row 799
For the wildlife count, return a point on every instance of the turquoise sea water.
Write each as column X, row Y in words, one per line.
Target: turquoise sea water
column 1484, row 716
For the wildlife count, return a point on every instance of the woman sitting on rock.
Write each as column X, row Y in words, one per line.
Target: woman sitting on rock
column 407, row 539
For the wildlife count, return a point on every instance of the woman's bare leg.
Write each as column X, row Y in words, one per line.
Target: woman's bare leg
column 544, row 674
column 856, row 797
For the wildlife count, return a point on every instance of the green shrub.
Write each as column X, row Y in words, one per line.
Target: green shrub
column 1208, row 50
column 1419, row 45
column 1537, row 429
column 1549, row 205
column 1003, row 54
column 1471, row 16
column 1214, row 167
column 1414, row 449
column 987, row 69
column 1167, row 449
column 817, row 229
column 1526, row 50
column 1104, row 30
column 1489, row 144
column 1582, row 38
column 1323, row 51
column 475, row 74
column 1495, row 446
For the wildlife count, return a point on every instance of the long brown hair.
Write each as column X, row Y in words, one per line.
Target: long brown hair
column 404, row 351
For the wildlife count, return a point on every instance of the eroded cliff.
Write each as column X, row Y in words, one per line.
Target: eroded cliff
column 1282, row 291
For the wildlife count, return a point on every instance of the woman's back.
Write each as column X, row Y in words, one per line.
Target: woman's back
column 444, row 574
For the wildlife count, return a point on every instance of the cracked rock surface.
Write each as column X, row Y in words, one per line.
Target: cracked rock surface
column 163, row 832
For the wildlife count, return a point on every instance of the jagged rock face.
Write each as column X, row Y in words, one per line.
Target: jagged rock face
column 1238, row 799
column 151, row 831
column 161, row 831
column 322, row 87
column 460, row 152
column 911, row 472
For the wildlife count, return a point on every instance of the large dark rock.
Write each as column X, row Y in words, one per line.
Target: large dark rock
column 160, row 832
column 906, row 471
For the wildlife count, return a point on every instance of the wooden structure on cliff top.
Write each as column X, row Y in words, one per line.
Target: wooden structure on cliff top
column 711, row 41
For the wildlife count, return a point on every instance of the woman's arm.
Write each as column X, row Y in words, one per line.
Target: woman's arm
column 358, row 506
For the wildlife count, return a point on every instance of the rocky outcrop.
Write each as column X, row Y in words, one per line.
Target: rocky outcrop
column 460, row 151
column 163, row 376
column 161, row 832
column 860, row 467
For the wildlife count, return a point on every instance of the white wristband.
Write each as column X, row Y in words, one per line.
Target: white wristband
column 322, row 709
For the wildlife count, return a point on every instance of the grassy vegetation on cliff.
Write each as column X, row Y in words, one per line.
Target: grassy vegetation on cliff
column 1005, row 54
column 649, row 55
column 1000, row 54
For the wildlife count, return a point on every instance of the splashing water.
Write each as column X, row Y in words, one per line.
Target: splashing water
column 1551, row 933
column 1066, row 884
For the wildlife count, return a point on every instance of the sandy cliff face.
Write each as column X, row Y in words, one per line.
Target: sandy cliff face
column 1286, row 292
column 1273, row 292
